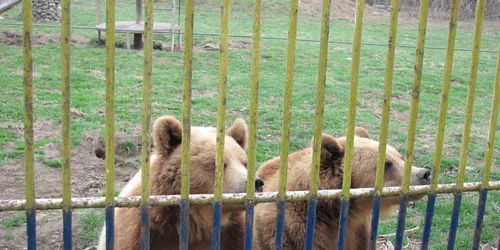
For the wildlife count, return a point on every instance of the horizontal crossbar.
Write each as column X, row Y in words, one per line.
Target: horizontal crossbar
column 240, row 198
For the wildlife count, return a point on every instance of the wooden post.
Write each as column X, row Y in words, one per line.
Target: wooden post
column 138, row 20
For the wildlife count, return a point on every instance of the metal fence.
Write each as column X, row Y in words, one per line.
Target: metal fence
column 67, row 203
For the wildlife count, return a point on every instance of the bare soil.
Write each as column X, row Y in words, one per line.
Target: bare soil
column 87, row 180
column 16, row 38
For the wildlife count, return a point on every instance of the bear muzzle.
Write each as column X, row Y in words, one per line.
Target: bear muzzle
column 424, row 176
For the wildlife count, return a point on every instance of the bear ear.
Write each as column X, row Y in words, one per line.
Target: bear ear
column 167, row 134
column 331, row 150
column 239, row 132
column 362, row 132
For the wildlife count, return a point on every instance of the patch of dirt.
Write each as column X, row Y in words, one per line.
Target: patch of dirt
column 87, row 180
column 341, row 9
column 16, row 38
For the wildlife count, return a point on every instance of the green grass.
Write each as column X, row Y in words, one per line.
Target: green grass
column 88, row 92
column 92, row 223
column 14, row 221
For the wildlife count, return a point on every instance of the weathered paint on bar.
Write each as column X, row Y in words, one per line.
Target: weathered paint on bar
column 249, row 218
column 344, row 216
column 318, row 124
column 28, row 124
column 216, row 229
column 384, row 126
column 403, row 202
column 351, row 120
column 478, row 228
column 452, row 233
column 221, row 123
column 353, row 96
column 252, row 130
column 377, row 202
column 311, row 222
column 280, row 224
column 66, row 121
column 146, row 123
column 240, row 198
column 186, row 124
column 286, row 122
column 429, row 212
column 110, row 122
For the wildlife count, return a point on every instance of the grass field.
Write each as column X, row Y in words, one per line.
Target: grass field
column 88, row 94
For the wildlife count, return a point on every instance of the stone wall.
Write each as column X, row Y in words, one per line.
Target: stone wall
column 47, row 10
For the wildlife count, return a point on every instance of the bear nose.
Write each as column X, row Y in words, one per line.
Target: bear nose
column 424, row 174
column 259, row 184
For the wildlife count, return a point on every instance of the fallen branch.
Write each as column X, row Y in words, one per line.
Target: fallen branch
column 406, row 232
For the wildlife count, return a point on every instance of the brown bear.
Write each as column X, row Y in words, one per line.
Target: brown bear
column 165, row 179
column 365, row 154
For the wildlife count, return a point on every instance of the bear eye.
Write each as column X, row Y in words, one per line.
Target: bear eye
column 388, row 165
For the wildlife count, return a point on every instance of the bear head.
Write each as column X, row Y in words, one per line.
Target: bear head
column 167, row 133
column 364, row 165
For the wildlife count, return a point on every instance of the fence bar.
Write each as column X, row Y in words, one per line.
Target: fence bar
column 146, row 123
column 351, row 123
column 110, row 122
column 468, row 123
column 488, row 157
column 28, row 124
column 389, row 68
column 285, row 127
column 207, row 199
column 410, row 143
column 252, row 133
column 186, row 125
column 66, row 121
column 221, row 123
column 318, row 130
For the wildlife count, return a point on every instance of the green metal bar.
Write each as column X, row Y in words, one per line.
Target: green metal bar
column 320, row 98
column 66, row 119
column 186, row 105
column 444, row 94
column 66, row 102
column 287, row 104
column 221, row 100
column 353, row 98
column 254, row 99
column 389, row 68
column 493, row 126
column 28, row 124
column 478, row 27
column 110, row 101
column 146, row 123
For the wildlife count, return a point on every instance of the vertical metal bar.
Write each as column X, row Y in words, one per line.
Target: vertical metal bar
column 66, row 121
column 186, row 125
column 221, row 123
column 252, row 133
column 488, row 157
column 138, row 11
column 146, row 123
column 351, row 123
column 411, row 132
column 285, row 127
column 28, row 124
column 110, row 123
column 320, row 103
column 468, row 123
column 379, row 183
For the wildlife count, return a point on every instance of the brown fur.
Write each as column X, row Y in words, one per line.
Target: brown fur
column 365, row 156
column 165, row 179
